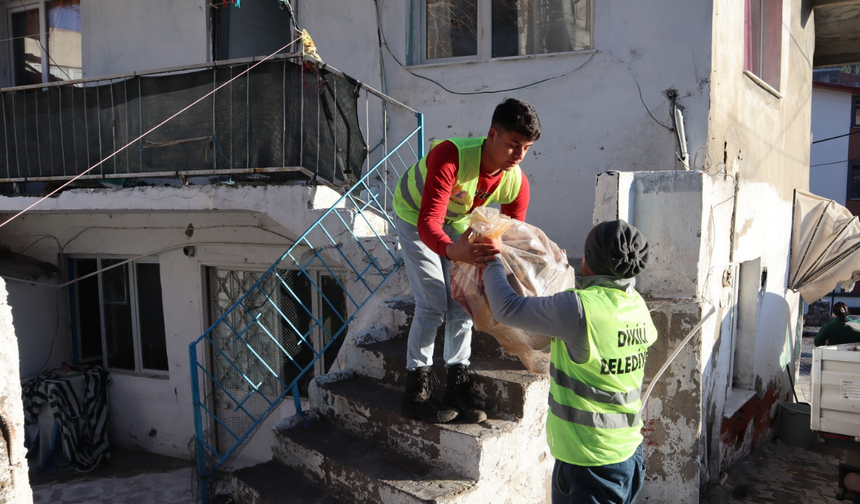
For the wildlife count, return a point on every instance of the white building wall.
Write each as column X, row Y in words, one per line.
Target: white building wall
column 119, row 37
column 590, row 108
column 604, row 109
column 759, row 141
column 830, row 118
column 154, row 412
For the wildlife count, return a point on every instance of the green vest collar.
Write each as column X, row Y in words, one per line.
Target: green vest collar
column 610, row 282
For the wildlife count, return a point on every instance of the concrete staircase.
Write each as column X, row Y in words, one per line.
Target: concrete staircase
column 354, row 446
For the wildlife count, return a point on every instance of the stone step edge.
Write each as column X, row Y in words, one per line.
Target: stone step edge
column 264, row 483
column 301, row 457
column 460, row 447
column 500, row 391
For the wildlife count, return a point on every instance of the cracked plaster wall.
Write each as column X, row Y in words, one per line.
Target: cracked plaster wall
column 14, row 480
column 759, row 149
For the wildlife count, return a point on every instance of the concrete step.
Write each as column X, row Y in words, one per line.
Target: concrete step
column 274, row 483
column 362, row 470
column 372, row 410
column 501, row 384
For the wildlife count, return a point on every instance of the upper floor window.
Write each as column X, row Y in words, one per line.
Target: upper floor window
column 46, row 41
column 763, row 40
column 452, row 30
column 854, row 181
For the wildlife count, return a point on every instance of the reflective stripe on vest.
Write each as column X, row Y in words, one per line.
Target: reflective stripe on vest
column 594, row 406
column 593, row 418
column 593, row 393
column 407, row 194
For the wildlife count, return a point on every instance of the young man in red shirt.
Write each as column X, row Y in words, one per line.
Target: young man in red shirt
column 432, row 201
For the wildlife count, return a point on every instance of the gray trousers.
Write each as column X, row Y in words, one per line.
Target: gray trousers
column 430, row 279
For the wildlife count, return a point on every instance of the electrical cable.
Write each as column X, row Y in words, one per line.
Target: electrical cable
column 836, row 162
column 672, row 357
column 835, row 137
column 162, row 123
column 469, row 93
column 141, row 256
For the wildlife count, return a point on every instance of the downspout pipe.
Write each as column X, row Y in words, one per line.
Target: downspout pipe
column 684, row 155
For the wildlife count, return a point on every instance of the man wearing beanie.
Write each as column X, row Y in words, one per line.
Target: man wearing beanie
column 600, row 338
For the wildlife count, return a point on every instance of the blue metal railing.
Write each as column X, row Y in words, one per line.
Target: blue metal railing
column 263, row 346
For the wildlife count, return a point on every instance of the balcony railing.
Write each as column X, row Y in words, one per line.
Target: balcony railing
column 283, row 118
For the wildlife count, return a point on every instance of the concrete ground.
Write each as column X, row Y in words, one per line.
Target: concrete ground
column 130, row 477
column 773, row 473
column 779, row 473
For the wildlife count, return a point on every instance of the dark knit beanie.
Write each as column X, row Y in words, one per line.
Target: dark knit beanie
column 615, row 248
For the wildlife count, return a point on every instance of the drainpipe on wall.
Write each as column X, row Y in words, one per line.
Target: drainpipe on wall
column 683, row 156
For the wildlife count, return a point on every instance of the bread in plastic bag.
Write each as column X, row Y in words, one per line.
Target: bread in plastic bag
column 534, row 265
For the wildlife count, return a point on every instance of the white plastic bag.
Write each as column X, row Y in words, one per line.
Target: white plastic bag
column 535, row 266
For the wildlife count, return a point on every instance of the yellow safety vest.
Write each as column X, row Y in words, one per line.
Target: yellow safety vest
column 407, row 194
column 594, row 407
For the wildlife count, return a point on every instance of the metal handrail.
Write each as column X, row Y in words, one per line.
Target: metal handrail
column 367, row 199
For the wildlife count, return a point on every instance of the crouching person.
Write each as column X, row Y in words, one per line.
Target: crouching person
column 600, row 338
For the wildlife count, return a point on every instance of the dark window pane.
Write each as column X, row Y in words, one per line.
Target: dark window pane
column 88, row 314
column 521, row 27
column 26, row 51
column 64, row 40
column 296, row 335
column 854, row 182
column 505, row 31
column 117, row 313
column 153, row 348
column 856, row 115
column 452, row 28
column 333, row 318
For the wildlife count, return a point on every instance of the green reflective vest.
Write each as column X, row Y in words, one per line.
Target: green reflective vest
column 407, row 194
column 594, row 407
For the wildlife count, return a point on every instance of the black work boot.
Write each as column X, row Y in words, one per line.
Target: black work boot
column 460, row 396
column 418, row 402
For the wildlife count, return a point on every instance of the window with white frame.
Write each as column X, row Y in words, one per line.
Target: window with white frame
column 452, row 30
column 117, row 312
column 763, row 40
column 46, row 41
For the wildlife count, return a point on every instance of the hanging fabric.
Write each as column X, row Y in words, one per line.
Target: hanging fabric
column 825, row 246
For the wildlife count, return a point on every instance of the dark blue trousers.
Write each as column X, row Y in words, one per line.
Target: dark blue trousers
column 609, row 484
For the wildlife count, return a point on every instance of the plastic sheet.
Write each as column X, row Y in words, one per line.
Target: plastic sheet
column 535, row 266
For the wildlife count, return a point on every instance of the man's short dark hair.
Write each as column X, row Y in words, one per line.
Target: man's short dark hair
column 517, row 115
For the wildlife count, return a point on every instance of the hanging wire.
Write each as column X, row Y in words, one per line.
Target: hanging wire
column 835, row 162
column 835, row 137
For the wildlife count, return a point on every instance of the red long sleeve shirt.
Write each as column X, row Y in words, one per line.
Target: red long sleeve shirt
column 442, row 166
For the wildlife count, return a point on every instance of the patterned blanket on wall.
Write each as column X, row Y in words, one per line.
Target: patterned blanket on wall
column 82, row 420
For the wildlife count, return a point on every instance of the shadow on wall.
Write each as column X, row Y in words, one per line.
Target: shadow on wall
column 753, row 423
column 43, row 341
